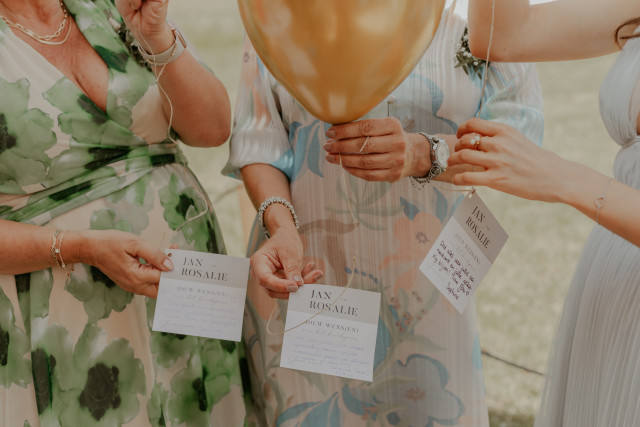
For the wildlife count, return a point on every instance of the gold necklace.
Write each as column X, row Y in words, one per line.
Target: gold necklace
column 44, row 39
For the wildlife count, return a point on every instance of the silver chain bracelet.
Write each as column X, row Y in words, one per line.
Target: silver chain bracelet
column 268, row 202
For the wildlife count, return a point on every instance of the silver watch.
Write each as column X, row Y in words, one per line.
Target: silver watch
column 439, row 158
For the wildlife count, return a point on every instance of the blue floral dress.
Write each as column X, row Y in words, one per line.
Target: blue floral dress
column 82, row 353
column 427, row 361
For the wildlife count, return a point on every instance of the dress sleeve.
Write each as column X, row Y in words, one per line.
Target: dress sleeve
column 513, row 96
column 259, row 134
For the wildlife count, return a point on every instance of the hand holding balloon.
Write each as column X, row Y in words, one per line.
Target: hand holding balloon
column 378, row 150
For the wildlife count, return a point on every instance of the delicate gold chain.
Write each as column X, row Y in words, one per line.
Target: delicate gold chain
column 39, row 38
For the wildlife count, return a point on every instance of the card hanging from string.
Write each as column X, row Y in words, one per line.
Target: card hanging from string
column 353, row 270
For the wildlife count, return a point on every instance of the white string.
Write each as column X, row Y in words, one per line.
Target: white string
column 196, row 185
column 361, row 148
column 353, row 270
column 486, row 66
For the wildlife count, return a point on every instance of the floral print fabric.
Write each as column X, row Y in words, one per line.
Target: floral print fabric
column 82, row 353
column 427, row 369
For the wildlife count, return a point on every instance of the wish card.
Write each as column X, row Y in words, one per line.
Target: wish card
column 464, row 251
column 331, row 330
column 203, row 295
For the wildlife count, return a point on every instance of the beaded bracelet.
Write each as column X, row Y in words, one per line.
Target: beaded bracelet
column 268, row 202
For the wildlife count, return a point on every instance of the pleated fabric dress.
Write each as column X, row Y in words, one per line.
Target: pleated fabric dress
column 594, row 368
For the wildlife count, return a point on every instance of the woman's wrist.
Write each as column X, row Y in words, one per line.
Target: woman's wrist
column 582, row 187
column 277, row 216
column 421, row 155
column 74, row 248
column 157, row 41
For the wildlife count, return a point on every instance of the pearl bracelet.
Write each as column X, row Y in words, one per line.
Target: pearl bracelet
column 268, row 202
column 169, row 55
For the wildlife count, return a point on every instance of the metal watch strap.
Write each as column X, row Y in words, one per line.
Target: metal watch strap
column 419, row 182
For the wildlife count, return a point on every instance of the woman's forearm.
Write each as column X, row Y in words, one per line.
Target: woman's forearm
column 263, row 181
column 193, row 99
column 198, row 101
column 28, row 248
column 549, row 31
column 619, row 204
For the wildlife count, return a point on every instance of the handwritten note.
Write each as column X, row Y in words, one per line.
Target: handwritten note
column 203, row 296
column 464, row 252
column 341, row 340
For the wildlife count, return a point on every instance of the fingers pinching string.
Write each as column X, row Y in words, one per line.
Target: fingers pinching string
column 365, row 144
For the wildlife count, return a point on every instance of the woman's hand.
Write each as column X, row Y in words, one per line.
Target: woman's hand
column 147, row 20
column 117, row 254
column 378, row 150
column 277, row 264
column 507, row 161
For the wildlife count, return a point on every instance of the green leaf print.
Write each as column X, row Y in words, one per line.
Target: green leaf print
column 106, row 383
column 25, row 136
column 99, row 294
column 182, row 205
column 84, row 121
column 14, row 345
column 51, row 366
column 207, row 379
column 36, row 303
column 154, row 406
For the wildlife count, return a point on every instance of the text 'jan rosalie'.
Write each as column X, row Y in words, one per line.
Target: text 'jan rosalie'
column 193, row 268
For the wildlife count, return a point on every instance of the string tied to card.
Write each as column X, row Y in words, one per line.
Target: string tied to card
column 354, row 260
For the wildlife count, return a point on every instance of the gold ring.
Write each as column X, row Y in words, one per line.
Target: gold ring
column 475, row 141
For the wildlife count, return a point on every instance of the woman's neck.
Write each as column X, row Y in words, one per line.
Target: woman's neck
column 40, row 13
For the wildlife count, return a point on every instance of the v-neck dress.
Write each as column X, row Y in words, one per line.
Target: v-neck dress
column 82, row 353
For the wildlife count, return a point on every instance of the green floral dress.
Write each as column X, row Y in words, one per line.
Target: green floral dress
column 83, row 353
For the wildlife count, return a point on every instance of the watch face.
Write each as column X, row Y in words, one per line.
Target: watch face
column 442, row 153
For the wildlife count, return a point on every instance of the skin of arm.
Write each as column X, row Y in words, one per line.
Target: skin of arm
column 27, row 248
column 277, row 265
column 552, row 31
column 509, row 162
column 201, row 108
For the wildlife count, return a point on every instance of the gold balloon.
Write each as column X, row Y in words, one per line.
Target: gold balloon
column 340, row 58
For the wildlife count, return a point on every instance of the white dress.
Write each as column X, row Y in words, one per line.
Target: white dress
column 594, row 368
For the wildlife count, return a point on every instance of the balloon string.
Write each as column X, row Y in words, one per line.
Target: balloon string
column 484, row 85
column 354, row 259
column 486, row 66
column 357, row 223
column 158, row 73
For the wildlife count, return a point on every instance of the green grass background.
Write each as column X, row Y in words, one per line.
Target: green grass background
column 519, row 301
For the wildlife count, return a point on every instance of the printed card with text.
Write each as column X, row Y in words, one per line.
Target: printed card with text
column 203, row 295
column 464, row 252
column 341, row 340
